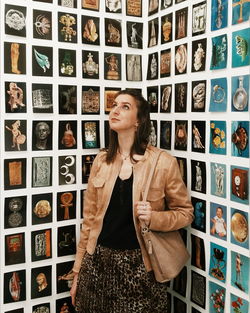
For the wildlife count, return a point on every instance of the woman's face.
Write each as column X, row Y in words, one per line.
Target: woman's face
column 123, row 115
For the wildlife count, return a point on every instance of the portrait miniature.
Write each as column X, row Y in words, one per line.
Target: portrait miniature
column 42, row 135
column 14, row 58
column 15, row 20
column 42, row 24
column 90, row 30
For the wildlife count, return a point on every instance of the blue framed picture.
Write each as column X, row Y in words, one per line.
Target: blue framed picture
column 240, row 47
column 239, row 184
column 240, row 93
column 218, row 220
column 240, row 269
column 219, row 14
column 219, row 52
column 241, row 11
column 238, row 304
column 218, row 95
column 240, row 139
column 239, row 228
column 217, row 298
column 218, row 138
column 218, row 262
column 218, row 179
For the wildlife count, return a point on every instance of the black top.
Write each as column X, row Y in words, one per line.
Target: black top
column 118, row 231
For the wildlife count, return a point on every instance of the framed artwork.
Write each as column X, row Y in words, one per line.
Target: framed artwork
column 67, row 27
column 16, row 279
column 241, row 11
column 15, row 135
column 164, row 5
column 181, row 22
column 239, row 184
column 67, row 138
column 153, row 133
column 109, row 96
column 198, row 136
column 66, row 205
column 90, row 100
column 42, row 24
column 66, row 240
column 64, row 275
column 152, row 72
column 218, row 95
column 41, row 307
column 199, row 18
column 41, row 171
column 240, row 42
column 67, row 99
column 181, row 90
column 240, row 266
column 181, row 56
column 239, row 226
column 239, row 303
column 198, row 174
column 68, row 3
column 15, row 20
column 218, row 179
column 90, row 134
column 113, row 6
column 182, row 162
column 16, row 311
column 15, row 211
column 45, row 1
column 67, row 63
column 218, row 137
column 166, row 134
column 87, row 161
column 113, row 32
column 15, row 97
column 90, row 64
column 133, row 67
column 14, row 58
column 42, row 208
column 166, row 28
column 42, row 135
column 180, row 282
column 165, row 63
column 42, row 98
column 153, row 32
column 112, row 66
column 152, row 97
column 195, row 310
column 179, row 305
column 219, row 14
column 41, row 282
column 135, row 35
column 240, row 93
column 14, row 173
column 198, row 289
column 42, row 61
column 14, row 248
column 239, row 139
column 217, row 297
column 134, row 8
column 199, row 221
column 219, row 52
column 218, row 220
column 199, row 51
column 181, row 135
column 64, row 304
column 41, row 245
column 90, row 30
column 67, row 169
column 90, row 4
column 218, row 262
column 166, row 98
column 198, row 258
column 153, row 7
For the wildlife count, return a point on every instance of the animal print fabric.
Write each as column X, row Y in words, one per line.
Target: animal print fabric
column 116, row 281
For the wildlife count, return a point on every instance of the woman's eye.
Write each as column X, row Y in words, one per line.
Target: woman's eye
column 125, row 107
column 113, row 105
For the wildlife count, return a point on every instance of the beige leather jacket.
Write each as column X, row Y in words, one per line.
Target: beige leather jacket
column 166, row 185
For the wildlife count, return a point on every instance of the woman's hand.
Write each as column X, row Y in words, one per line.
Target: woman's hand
column 73, row 289
column 143, row 211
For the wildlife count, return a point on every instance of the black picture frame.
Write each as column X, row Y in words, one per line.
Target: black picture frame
column 42, row 61
column 41, row 244
column 67, row 170
column 41, row 282
column 42, row 24
column 15, row 209
column 66, row 205
column 15, row 173
column 19, row 278
column 198, row 289
column 15, row 97
column 42, row 208
column 66, row 240
column 15, row 20
column 14, row 58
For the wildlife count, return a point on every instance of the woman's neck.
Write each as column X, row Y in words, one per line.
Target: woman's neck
column 125, row 144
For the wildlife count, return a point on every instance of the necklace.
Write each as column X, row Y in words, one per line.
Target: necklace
column 124, row 156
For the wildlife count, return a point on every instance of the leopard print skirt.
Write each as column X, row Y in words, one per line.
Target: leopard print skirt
column 116, row 281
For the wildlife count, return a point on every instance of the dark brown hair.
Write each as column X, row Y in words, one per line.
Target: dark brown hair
column 142, row 133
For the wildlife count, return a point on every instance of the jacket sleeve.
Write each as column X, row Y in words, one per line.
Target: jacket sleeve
column 88, row 215
column 179, row 212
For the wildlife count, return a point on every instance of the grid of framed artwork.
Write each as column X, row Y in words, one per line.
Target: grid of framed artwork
column 62, row 62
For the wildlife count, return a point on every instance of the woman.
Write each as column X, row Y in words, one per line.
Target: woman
column 112, row 268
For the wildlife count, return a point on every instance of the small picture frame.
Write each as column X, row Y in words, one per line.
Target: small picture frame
column 41, row 245
column 153, row 32
column 90, row 30
column 90, row 134
column 15, row 212
column 64, row 304
column 199, row 91
column 112, row 66
column 90, row 64
column 239, row 225
column 15, row 248
column 15, row 97
column 152, row 97
column 19, row 277
column 181, row 135
column 179, row 305
column 153, row 67
column 109, row 96
column 90, row 5
column 181, row 22
column 66, row 240
column 68, row 3
column 134, row 8
column 87, row 161
column 180, row 282
column 133, row 67
column 42, row 98
column 198, row 289
column 181, row 59
column 198, row 174
column 166, row 28
column 199, row 53
column 67, row 137
column 198, row 136
column 166, row 98
column 135, row 34
column 198, row 258
column 41, row 307
column 218, row 178
column 42, row 171
column 165, row 63
column 182, row 162
column 14, row 58
column 153, row 133
column 153, row 7
column 42, row 208
column 90, row 100
column 67, row 99
column 64, row 276
column 181, row 90
column 199, row 18
column 42, row 24
column 14, row 173
column 67, row 63
column 15, row 20
column 66, row 205
column 42, row 61
column 113, row 32
column 67, row 170
column 218, row 220
column 41, row 282
column 42, row 135
column 218, row 262
column 67, row 27
column 199, row 221
column 15, row 135
column 114, row 6
column 166, row 134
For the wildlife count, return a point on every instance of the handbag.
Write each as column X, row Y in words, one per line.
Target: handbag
column 167, row 251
